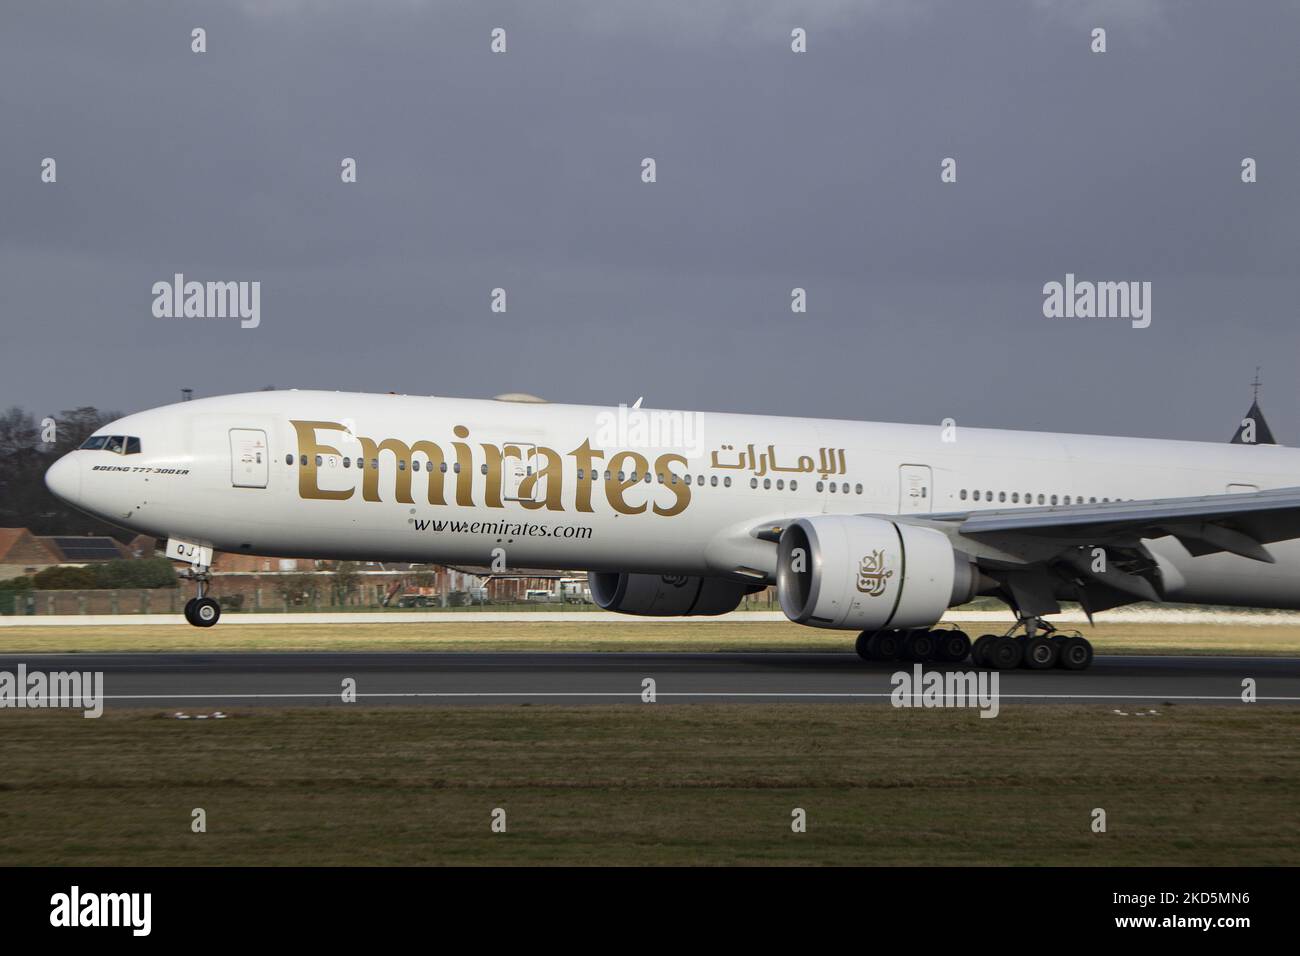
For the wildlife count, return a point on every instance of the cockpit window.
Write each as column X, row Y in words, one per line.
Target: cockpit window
column 119, row 444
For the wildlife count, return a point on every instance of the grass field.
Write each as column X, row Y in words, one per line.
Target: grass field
column 654, row 785
column 596, row 636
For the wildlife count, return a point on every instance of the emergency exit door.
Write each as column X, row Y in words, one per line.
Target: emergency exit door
column 249, row 465
column 914, row 491
column 519, row 462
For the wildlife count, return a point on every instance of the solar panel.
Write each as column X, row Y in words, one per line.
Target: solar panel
column 88, row 549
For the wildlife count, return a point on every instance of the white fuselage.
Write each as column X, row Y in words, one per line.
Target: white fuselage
column 230, row 472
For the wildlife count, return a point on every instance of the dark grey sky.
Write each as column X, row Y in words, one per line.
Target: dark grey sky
column 776, row 170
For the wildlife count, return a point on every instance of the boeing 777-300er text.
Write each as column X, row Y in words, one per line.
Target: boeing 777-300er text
column 864, row 527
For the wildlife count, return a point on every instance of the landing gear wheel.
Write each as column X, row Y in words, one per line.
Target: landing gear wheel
column 889, row 645
column 1005, row 653
column 918, row 646
column 189, row 610
column 1076, row 654
column 951, row 646
column 1041, row 653
column 864, row 647
column 205, row 612
column 979, row 651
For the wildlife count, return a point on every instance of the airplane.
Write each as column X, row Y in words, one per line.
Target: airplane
column 866, row 527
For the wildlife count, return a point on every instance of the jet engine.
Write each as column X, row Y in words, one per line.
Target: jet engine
column 869, row 574
column 654, row 595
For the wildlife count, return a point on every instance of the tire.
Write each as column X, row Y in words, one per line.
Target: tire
column 189, row 610
column 205, row 613
column 889, row 645
column 952, row 646
column 1006, row 653
column 920, row 646
column 1076, row 654
column 866, row 650
column 1041, row 653
column 979, row 651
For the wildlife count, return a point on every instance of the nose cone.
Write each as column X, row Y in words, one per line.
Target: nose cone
column 64, row 478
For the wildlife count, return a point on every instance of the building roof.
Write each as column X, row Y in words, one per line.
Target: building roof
column 20, row 546
column 86, row 549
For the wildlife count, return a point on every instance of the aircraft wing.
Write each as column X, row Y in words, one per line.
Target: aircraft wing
column 1038, row 555
column 1239, row 523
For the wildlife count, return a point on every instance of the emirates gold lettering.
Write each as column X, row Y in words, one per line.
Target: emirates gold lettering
column 543, row 488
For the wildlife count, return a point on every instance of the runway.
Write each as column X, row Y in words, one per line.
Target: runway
column 213, row 681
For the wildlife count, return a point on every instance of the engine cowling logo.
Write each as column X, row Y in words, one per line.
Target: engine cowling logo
column 873, row 578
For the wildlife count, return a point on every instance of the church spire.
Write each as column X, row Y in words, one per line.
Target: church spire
column 1253, row 430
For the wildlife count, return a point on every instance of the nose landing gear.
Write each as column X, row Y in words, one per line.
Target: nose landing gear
column 201, row 611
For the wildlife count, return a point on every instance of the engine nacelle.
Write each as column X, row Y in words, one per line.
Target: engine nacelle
column 655, row 595
column 869, row 574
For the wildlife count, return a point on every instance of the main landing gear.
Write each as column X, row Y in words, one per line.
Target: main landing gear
column 201, row 611
column 1041, row 647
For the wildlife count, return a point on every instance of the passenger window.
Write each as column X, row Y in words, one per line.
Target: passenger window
column 304, row 461
column 288, row 459
column 794, row 485
column 1002, row 496
column 442, row 467
column 580, row 474
column 1053, row 499
column 977, row 494
column 318, row 461
column 753, row 482
column 401, row 465
column 857, row 489
column 767, row 484
column 714, row 481
column 347, row 462
column 963, row 494
column 726, row 482
column 1040, row 500
column 780, row 484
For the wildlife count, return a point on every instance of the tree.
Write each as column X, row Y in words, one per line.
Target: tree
column 142, row 573
column 299, row 590
column 25, row 502
column 345, row 580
